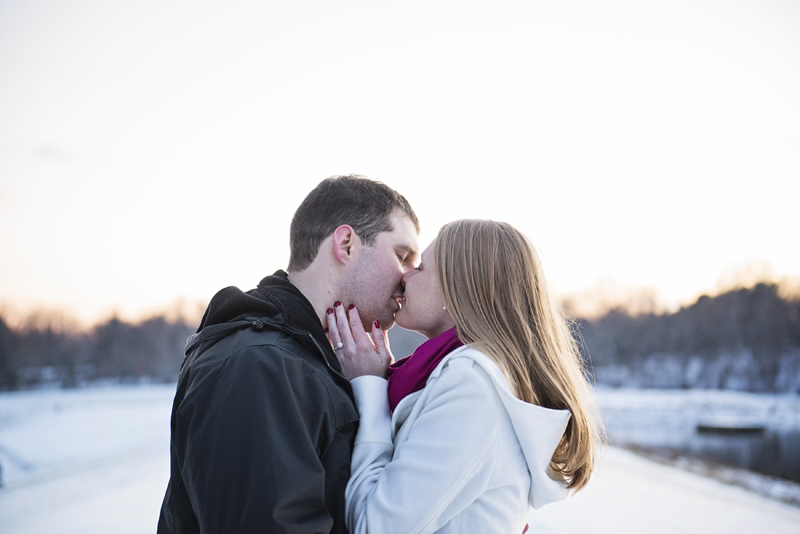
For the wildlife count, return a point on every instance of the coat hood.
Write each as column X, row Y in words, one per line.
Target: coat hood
column 538, row 429
column 275, row 304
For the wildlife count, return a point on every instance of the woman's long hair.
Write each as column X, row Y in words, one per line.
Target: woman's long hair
column 494, row 289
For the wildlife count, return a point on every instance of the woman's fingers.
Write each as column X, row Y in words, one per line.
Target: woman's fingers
column 358, row 355
column 359, row 334
column 333, row 328
column 381, row 341
column 343, row 326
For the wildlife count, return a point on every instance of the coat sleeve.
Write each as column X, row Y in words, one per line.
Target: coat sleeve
column 251, row 436
column 437, row 471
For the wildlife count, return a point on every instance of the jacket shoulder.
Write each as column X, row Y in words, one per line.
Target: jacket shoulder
column 464, row 357
column 253, row 344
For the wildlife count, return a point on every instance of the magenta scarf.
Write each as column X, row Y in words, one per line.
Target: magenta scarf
column 411, row 373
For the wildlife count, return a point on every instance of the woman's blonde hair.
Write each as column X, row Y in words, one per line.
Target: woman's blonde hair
column 494, row 289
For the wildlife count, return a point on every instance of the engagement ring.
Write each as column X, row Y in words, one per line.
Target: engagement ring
column 338, row 346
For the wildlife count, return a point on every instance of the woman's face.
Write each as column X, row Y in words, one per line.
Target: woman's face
column 423, row 307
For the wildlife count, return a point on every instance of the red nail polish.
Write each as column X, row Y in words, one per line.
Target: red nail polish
column 351, row 306
column 330, row 311
column 377, row 324
column 337, row 303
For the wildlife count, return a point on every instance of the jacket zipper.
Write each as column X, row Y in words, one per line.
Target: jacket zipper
column 328, row 364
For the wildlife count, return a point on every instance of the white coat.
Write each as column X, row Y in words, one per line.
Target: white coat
column 462, row 455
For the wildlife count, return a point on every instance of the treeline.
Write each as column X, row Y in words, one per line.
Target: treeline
column 41, row 353
column 48, row 351
column 746, row 339
column 44, row 351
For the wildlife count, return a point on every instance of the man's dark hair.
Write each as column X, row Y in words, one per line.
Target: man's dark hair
column 355, row 200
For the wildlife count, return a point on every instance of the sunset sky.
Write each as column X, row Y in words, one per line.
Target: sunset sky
column 155, row 150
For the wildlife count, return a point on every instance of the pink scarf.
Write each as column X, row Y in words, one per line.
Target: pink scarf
column 411, row 374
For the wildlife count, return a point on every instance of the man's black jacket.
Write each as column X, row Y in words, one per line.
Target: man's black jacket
column 263, row 422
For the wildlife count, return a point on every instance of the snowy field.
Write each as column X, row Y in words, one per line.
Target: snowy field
column 96, row 461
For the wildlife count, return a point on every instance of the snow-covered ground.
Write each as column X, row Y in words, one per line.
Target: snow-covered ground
column 96, row 460
column 89, row 460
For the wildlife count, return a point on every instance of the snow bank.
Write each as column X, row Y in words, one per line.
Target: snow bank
column 97, row 461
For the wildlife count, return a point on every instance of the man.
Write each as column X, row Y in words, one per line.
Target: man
column 263, row 421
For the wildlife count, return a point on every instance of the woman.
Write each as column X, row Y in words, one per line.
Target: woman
column 489, row 417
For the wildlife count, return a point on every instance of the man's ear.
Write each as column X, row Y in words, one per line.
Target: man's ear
column 344, row 243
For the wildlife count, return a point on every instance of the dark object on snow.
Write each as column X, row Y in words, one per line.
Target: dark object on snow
column 730, row 426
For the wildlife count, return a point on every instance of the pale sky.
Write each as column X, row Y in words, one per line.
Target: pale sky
column 156, row 150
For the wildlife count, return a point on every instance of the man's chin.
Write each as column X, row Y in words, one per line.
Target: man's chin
column 388, row 322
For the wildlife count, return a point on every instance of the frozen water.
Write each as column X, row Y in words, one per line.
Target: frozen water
column 670, row 419
column 676, row 407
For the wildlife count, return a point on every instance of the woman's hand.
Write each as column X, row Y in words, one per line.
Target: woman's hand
column 359, row 355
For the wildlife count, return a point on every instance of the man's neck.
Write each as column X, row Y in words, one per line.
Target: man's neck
column 321, row 296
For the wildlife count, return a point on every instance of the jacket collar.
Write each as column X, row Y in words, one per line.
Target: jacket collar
column 276, row 304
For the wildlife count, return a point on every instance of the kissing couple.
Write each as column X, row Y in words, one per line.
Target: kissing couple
column 292, row 416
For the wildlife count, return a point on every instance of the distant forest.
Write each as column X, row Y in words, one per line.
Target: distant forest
column 41, row 354
column 745, row 339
